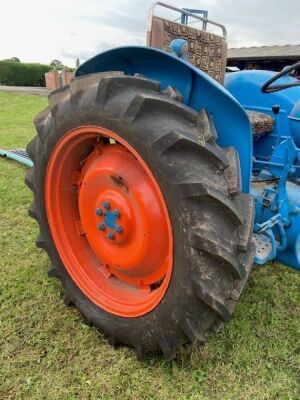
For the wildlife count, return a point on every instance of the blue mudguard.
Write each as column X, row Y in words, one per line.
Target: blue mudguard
column 198, row 89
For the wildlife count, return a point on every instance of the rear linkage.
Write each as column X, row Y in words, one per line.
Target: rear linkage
column 276, row 210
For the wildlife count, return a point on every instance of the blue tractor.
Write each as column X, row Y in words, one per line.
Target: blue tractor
column 158, row 181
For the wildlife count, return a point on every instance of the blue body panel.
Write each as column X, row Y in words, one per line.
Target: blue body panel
column 245, row 86
column 277, row 151
column 198, row 89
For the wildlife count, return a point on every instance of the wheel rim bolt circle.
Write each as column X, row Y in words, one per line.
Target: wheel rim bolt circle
column 102, row 226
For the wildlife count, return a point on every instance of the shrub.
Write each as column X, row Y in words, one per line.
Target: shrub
column 22, row 74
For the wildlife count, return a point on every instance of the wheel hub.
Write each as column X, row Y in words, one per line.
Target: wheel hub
column 112, row 223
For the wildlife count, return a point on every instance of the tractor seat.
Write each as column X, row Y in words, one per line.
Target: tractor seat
column 262, row 124
column 207, row 51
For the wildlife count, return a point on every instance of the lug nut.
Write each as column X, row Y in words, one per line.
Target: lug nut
column 99, row 212
column 106, row 205
column 117, row 213
column 101, row 227
column 110, row 236
column 119, row 229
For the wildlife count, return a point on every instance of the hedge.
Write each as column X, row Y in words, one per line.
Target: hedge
column 22, row 74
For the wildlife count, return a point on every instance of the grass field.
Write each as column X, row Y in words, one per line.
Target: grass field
column 47, row 352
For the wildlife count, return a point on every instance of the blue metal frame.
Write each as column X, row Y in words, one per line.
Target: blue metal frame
column 185, row 18
column 277, row 158
column 245, row 86
column 279, row 224
column 199, row 91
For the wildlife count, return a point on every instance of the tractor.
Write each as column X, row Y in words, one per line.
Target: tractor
column 159, row 180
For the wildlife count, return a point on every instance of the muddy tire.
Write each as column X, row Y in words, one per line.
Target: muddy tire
column 200, row 182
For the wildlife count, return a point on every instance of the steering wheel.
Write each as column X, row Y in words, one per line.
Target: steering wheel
column 267, row 88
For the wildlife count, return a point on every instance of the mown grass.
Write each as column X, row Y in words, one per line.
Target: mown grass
column 47, row 352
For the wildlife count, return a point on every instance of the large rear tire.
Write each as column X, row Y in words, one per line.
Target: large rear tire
column 210, row 219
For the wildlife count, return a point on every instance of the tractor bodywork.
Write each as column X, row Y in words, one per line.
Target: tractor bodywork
column 276, row 162
column 271, row 159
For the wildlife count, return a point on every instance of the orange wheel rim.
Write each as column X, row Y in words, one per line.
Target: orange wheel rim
column 109, row 221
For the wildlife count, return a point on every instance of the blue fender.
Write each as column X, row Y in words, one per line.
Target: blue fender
column 198, row 89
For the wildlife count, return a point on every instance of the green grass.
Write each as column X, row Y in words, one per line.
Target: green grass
column 47, row 352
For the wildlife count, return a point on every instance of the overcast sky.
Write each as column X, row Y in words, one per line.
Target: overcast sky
column 39, row 30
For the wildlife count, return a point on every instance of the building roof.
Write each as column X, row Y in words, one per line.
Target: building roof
column 264, row 52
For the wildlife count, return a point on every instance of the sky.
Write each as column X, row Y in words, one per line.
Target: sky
column 40, row 30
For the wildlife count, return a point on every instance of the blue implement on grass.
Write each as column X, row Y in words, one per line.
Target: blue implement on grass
column 18, row 155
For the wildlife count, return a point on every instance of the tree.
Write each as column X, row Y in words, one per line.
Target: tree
column 56, row 64
column 77, row 62
column 15, row 59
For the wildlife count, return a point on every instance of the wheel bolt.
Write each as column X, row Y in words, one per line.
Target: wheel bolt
column 117, row 214
column 106, row 205
column 101, row 227
column 99, row 212
column 119, row 229
column 110, row 236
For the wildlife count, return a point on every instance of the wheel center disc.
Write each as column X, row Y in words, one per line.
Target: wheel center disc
column 121, row 213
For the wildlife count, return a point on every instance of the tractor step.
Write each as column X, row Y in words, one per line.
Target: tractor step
column 263, row 248
column 18, row 155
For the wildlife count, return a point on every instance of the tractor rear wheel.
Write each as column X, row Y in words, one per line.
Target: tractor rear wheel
column 140, row 211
